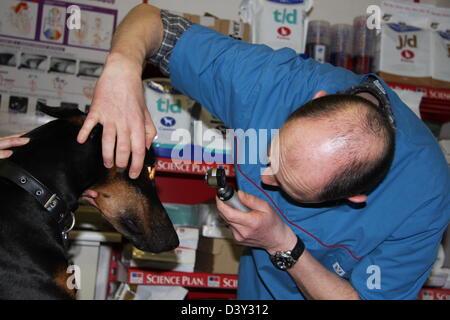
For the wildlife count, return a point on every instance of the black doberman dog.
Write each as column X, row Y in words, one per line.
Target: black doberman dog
column 33, row 263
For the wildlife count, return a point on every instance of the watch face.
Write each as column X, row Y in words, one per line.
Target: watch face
column 283, row 260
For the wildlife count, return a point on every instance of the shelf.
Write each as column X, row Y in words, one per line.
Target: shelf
column 197, row 294
column 190, row 167
column 183, row 181
column 95, row 236
column 183, row 279
column 435, row 105
column 434, row 294
column 429, row 92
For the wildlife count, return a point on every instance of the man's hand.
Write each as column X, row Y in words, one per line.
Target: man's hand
column 120, row 107
column 118, row 102
column 9, row 142
column 262, row 227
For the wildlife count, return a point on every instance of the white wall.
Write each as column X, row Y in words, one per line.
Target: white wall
column 225, row 9
column 334, row 11
column 340, row 11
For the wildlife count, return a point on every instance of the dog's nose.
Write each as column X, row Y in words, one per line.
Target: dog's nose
column 165, row 239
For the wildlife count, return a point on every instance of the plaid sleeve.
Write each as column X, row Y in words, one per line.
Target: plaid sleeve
column 174, row 27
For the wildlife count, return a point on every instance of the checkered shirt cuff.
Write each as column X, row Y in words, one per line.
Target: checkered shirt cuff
column 174, row 27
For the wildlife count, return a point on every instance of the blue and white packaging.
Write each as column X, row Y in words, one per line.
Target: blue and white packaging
column 171, row 114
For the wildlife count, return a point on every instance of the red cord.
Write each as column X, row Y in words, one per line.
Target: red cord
column 289, row 221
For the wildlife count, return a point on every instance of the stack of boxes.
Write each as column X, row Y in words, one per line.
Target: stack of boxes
column 410, row 45
column 206, row 258
column 186, row 131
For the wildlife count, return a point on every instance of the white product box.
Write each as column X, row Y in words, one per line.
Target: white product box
column 403, row 47
column 277, row 23
column 440, row 48
column 188, row 237
column 170, row 111
column 213, row 226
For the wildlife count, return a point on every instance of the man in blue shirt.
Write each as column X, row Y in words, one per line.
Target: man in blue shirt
column 359, row 195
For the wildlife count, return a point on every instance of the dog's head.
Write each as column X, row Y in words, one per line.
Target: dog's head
column 132, row 206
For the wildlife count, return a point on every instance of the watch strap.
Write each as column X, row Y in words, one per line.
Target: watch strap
column 298, row 249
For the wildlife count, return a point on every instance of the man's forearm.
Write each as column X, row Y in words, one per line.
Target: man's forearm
column 139, row 35
column 316, row 282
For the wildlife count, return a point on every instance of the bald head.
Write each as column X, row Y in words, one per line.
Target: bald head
column 334, row 147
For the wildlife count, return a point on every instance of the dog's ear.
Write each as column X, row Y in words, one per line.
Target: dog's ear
column 72, row 114
column 59, row 112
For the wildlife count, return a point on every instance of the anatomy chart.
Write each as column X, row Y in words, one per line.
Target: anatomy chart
column 42, row 59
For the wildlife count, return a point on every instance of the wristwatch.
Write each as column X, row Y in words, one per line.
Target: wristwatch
column 284, row 260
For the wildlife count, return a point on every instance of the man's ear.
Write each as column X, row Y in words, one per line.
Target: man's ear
column 319, row 94
column 268, row 178
column 358, row 199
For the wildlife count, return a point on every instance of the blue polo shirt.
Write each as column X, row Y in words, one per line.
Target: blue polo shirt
column 384, row 249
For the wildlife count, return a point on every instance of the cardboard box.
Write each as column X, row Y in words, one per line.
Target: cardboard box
column 220, row 256
column 235, row 29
